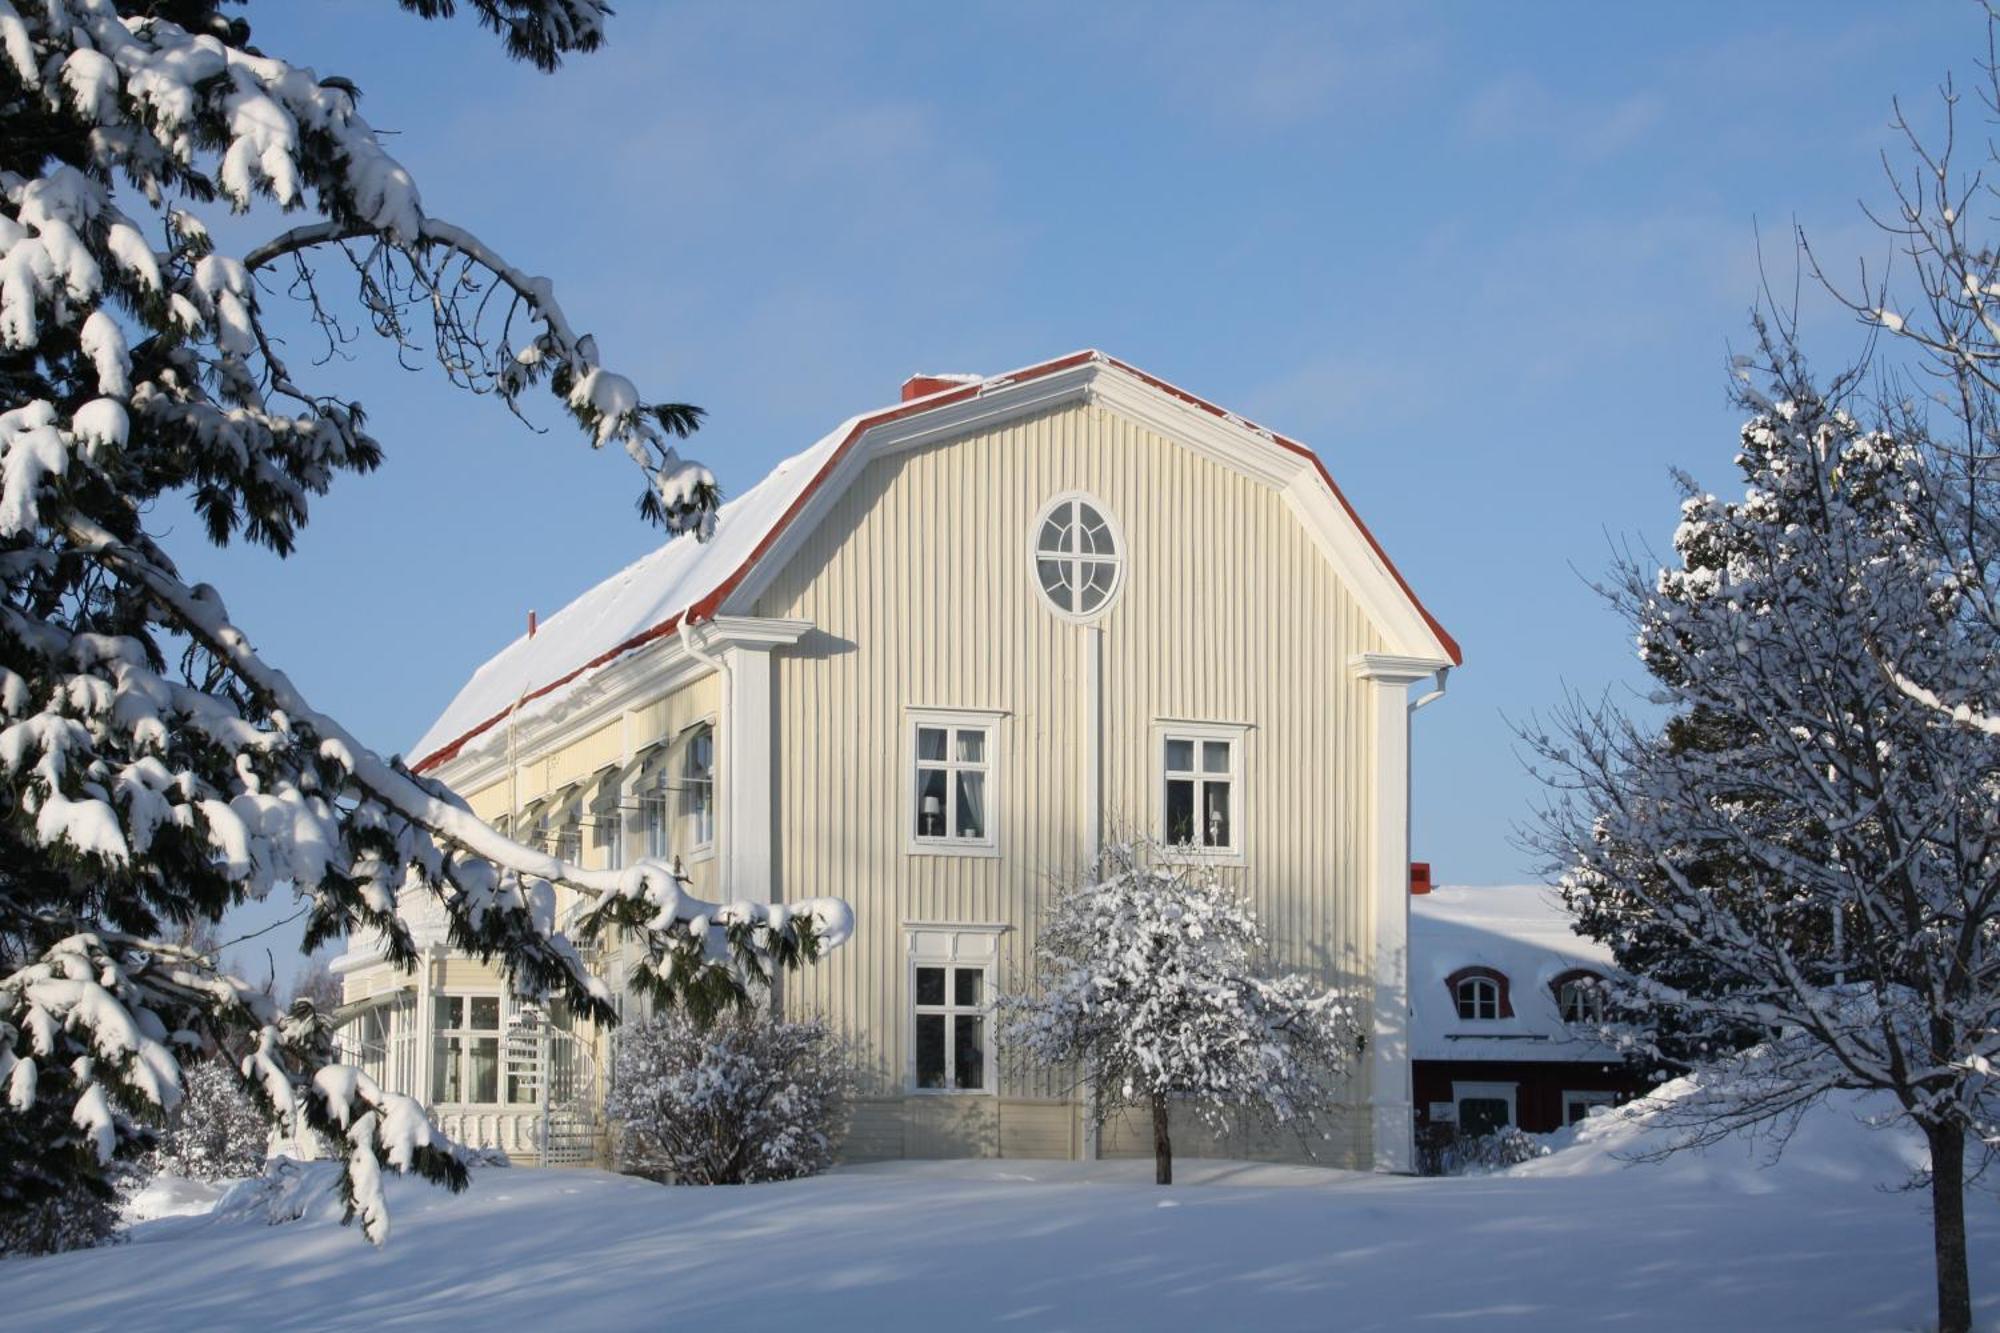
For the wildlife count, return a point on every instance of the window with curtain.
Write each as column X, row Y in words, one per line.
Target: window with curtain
column 1580, row 997
column 951, row 791
column 1200, row 790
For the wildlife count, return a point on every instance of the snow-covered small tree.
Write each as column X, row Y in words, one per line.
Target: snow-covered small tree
column 156, row 770
column 216, row 1133
column 744, row 1098
column 1146, row 990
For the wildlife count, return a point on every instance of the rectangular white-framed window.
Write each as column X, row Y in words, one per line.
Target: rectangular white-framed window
column 1484, row 1107
column 465, row 1050
column 653, row 798
column 607, row 832
column 696, row 772
column 1198, row 792
column 1578, row 1105
column 569, row 833
column 953, row 765
column 951, row 977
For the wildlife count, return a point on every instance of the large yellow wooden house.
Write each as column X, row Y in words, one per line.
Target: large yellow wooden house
column 927, row 666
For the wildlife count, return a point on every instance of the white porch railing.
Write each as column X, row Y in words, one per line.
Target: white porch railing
column 548, row 1077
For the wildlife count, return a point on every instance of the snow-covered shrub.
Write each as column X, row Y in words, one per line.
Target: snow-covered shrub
column 74, row 1220
column 745, row 1099
column 1148, row 989
column 216, row 1133
column 1482, row 1154
column 50, row 1200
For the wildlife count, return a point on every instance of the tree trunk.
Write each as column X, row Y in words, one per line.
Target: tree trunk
column 1954, row 1282
column 1163, row 1159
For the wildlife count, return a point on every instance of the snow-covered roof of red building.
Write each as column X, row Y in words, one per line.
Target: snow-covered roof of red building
column 687, row 579
column 1519, row 930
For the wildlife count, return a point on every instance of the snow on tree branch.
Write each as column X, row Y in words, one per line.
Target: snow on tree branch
column 1146, row 987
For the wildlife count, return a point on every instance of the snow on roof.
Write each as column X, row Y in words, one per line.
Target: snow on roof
column 648, row 599
column 641, row 602
column 1519, row 930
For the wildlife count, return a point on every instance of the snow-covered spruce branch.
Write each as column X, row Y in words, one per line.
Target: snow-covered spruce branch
column 136, row 797
column 814, row 924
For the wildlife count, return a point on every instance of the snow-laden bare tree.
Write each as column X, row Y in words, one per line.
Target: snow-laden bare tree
column 1804, row 851
column 154, row 769
column 1146, row 989
column 1935, row 308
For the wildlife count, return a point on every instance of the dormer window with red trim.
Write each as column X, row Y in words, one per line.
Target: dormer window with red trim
column 1579, row 996
column 1480, row 993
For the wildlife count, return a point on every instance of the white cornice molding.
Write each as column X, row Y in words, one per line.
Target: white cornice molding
column 758, row 633
column 644, row 674
column 1395, row 668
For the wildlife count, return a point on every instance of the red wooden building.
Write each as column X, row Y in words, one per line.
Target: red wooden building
column 1504, row 1002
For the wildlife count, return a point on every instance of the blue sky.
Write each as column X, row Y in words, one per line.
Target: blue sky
column 1488, row 260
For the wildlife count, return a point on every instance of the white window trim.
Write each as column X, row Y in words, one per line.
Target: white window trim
column 604, row 822
column 1460, row 1092
column 657, row 786
column 436, row 1034
column 677, row 765
column 1457, row 1003
column 989, row 965
column 1237, row 734
column 1119, row 560
column 1585, row 1097
column 981, row 719
column 1593, row 998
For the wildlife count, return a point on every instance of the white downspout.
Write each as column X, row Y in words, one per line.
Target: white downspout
column 1410, row 769
column 1093, row 787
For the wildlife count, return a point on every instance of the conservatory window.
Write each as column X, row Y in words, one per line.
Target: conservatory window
column 697, row 798
column 465, row 1056
column 1200, row 787
column 951, row 790
column 1079, row 562
column 951, row 979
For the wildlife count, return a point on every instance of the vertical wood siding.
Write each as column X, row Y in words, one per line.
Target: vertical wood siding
column 920, row 585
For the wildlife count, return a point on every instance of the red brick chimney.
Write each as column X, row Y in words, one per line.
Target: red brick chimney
column 923, row 386
column 1420, row 877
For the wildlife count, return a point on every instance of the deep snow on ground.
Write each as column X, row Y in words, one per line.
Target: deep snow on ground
column 1579, row 1239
